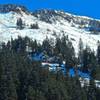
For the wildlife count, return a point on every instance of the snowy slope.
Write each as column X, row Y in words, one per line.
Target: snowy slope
column 59, row 26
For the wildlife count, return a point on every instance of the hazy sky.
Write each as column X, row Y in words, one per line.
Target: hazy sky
column 79, row 7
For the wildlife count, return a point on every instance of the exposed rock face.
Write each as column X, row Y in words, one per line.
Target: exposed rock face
column 11, row 7
column 51, row 16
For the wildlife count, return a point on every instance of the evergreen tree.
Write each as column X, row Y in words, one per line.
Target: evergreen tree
column 46, row 46
column 19, row 24
column 81, row 51
column 92, row 91
column 98, row 53
column 86, row 58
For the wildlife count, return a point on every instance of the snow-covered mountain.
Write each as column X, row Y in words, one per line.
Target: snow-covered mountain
column 51, row 24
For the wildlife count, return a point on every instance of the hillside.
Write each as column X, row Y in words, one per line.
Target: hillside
column 51, row 24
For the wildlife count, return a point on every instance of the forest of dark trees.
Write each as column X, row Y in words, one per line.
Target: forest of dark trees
column 25, row 79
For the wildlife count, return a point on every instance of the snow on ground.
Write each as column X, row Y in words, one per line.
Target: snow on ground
column 62, row 26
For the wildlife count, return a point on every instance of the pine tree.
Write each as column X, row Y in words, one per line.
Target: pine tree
column 19, row 24
column 80, row 51
column 92, row 91
column 86, row 58
column 98, row 53
column 46, row 46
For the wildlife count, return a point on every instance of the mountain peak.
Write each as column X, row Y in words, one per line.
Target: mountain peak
column 4, row 8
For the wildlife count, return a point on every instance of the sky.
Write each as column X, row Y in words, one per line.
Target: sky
column 79, row 7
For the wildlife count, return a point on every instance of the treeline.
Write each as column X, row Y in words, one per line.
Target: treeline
column 89, row 60
column 21, row 25
column 24, row 79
